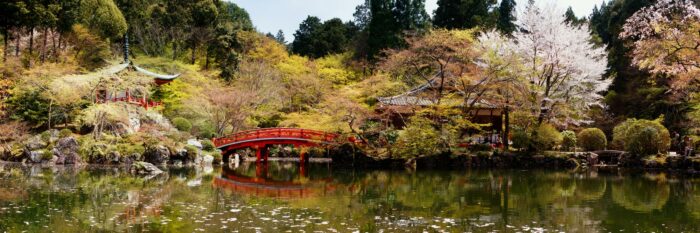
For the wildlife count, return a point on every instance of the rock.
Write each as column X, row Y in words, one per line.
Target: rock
column 207, row 159
column 34, row 156
column 204, row 160
column 195, row 182
column 134, row 123
column 130, row 159
column 36, row 143
column 113, row 157
column 195, row 143
column 157, row 154
column 144, row 168
column 66, row 151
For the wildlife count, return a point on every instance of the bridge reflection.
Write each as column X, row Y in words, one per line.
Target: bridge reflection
column 280, row 182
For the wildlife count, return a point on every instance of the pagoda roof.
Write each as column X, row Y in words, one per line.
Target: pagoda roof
column 120, row 67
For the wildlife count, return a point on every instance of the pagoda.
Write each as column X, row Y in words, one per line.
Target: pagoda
column 104, row 95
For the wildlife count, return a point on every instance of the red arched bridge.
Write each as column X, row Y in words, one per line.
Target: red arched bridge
column 261, row 139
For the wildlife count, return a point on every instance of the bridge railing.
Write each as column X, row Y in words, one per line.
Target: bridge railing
column 272, row 133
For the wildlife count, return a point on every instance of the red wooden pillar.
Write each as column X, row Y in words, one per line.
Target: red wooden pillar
column 303, row 157
column 303, row 171
column 260, row 170
column 261, row 153
column 266, row 153
column 258, row 154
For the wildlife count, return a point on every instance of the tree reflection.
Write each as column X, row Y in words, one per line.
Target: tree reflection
column 641, row 195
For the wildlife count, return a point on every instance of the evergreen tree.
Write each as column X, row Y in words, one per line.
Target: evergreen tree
column 362, row 15
column 411, row 15
column 389, row 20
column 305, row 37
column 572, row 19
column 461, row 14
column 279, row 37
column 237, row 15
column 13, row 12
column 315, row 39
column 383, row 31
column 506, row 17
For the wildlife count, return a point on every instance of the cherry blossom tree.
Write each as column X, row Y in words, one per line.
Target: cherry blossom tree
column 559, row 67
column 667, row 39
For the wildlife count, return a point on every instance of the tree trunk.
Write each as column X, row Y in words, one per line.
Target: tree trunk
column 506, row 131
column 54, row 51
column 43, row 46
column 31, row 46
column 194, row 49
column 4, row 51
column 50, row 107
column 174, row 50
column 19, row 37
column 206, row 62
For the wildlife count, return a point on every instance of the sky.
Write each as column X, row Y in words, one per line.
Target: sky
column 273, row 15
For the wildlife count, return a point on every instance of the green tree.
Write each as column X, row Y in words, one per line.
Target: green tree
column 236, row 15
column 225, row 49
column 572, row 19
column 316, row 39
column 383, row 32
column 462, row 14
column 204, row 14
column 411, row 15
column 279, row 37
column 305, row 37
column 12, row 12
column 506, row 17
column 630, row 83
column 103, row 17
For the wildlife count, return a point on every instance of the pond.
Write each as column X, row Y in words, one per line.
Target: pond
column 286, row 197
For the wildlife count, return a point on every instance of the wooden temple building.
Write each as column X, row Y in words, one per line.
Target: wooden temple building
column 395, row 111
column 141, row 98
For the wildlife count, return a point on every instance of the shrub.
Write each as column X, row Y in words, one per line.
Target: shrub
column 546, row 137
column 192, row 152
column 592, row 139
column 568, row 142
column 521, row 139
column 480, row 147
column 217, row 157
column 127, row 149
column 182, row 124
column 205, row 130
column 91, row 51
column 642, row 137
column 483, row 154
column 418, row 138
column 208, row 145
column 65, row 133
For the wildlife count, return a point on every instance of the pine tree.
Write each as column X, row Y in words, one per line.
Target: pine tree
column 506, row 17
column 572, row 19
column 461, row 14
column 279, row 37
column 305, row 37
column 383, row 30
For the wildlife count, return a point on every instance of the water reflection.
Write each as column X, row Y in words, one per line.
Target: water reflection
column 285, row 181
column 280, row 196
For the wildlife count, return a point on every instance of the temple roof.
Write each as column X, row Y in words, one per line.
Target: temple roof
column 416, row 97
column 120, row 67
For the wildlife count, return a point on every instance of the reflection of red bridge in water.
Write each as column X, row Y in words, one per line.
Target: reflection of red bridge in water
column 262, row 185
column 261, row 139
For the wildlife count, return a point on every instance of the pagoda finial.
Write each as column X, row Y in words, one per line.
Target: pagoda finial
column 126, row 47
